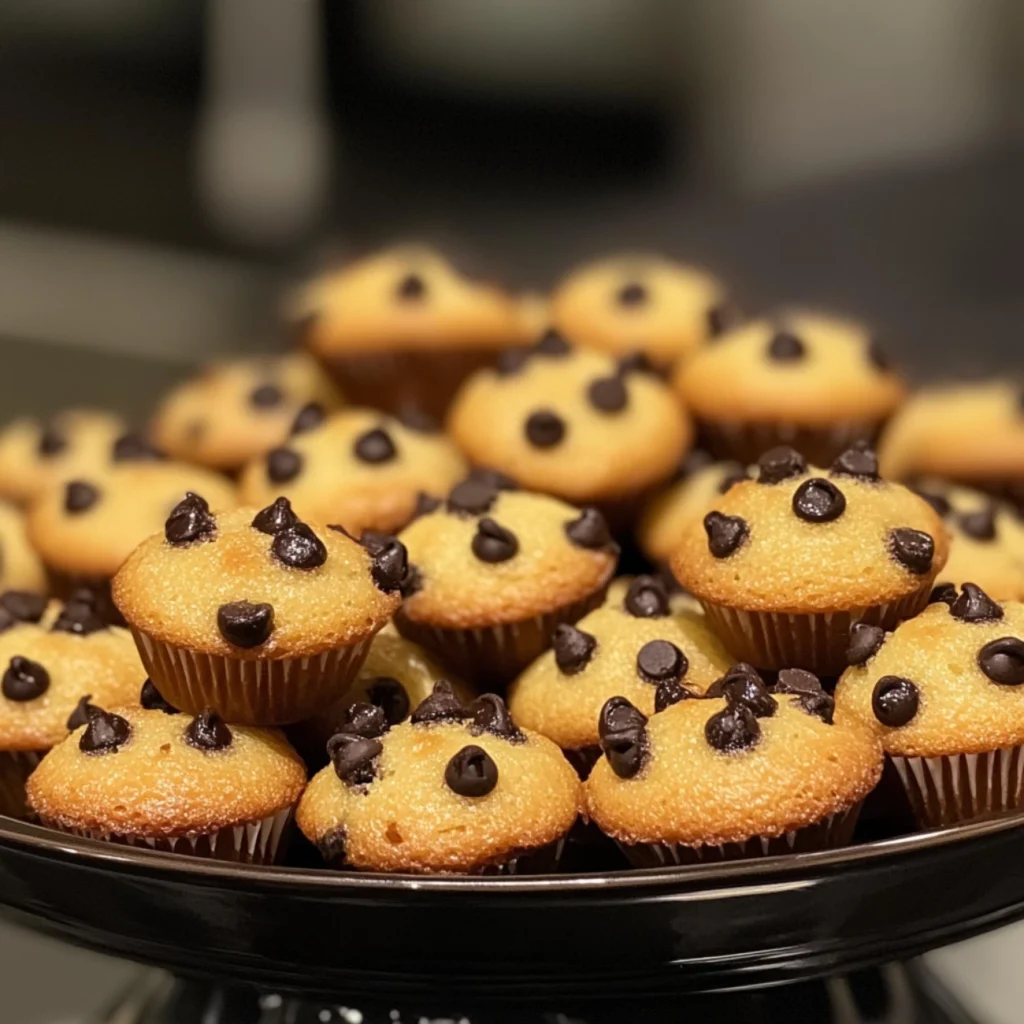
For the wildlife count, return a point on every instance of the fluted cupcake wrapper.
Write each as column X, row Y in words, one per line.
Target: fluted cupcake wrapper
column 15, row 768
column 260, row 691
column 747, row 442
column 816, row 642
column 256, row 842
column 956, row 788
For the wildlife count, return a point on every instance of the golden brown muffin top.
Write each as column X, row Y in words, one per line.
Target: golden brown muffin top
column 20, row 567
column 640, row 302
column 455, row 788
column 950, row 681
column 146, row 773
column 359, row 468
column 799, row 368
column 254, row 584
column 724, row 770
column 570, row 422
column 802, row 540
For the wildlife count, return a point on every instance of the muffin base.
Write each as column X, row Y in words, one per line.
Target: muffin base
column 15, row 768
column 257, row 692
column 747, row 442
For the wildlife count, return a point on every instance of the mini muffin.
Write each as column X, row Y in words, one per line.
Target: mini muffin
column 455, row 789
column 257, row 614
column 572, row 423
column 641, row 303
column 784, row 564
column 970, row 433
column 743, row 774
column 171, row 782
column 492, row 573
column 403, row 328
column 358, row 468
column 35, row 454
column 238, row 410
column 20, row 566
column 804, row 380
column 945, row 693
column 638, row 649
column 52, row 661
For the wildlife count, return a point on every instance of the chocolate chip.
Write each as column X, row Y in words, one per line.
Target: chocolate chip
column 244, row 624
column 266, row 396
column 778, row 464
column 413, row 418
column 865, row 642
column 732, row 729
column 153, row 700
column 939, row 502
column 52, row 441
column 80, row 496
column 743, row 684
column 913, row 549
column 299, row 547
column 364, row 718
column 308, row 418
column 618, row 714
column 608, row 394
column 472, row 496
column 441, row 706
column 104, row 733
column 623, row 733
column 877, row 357
column 589, row 530
column 275, row 518
column 354, row 758
column 726, row 534
column 208, row 732
column 859, row 462
column 374, row 446
column 974, row 605
column 670, row 692
column 493, row 543
column 133, row 447
column 389, row 695
column 551, row 343
column 82, row 713
column 390, row 563
column 493, row 478
column 820, row 704
column 646, row 598
column 631, row 294
column 636, row 361
column 190, row 520
column 980, row 525
column 1002, row 661
column 23, row 606
column 332, row 846
column 425, row 504
column 511, row 360
column 659, row 661
column 79, row 615
column 490, row 714
column 735, row 474
column 786, row 347
column 818, row 501
column 544, row 428
column 723, row 317
column 894, row 701
column 798, row 681
column 411, row 288
column 471, row 772
column 283, row 464
column 944, row 593
column 573, row 648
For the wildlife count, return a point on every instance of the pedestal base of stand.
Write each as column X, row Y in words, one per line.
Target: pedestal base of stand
column 895, row 994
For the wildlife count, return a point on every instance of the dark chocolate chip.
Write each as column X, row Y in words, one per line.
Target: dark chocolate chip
column 493, row 543
column 23, row 606
column 798, row 681
column 732, row 729
column 820, row 704
column 7, row 620
column 726, row 534
column 425, row 504
column 80, row 496
column 626, row 751
column 551, row 343
column 208, row 732
column 635, row 362
column 646, row 598
column 894, row 701
column 631, row 294
column 778, row 464
column 865, row 642
column 659, row 661
column 244, row 624
column 299, row 547
column 275, row 518
column 490, row 714
column 418, row 420
column 412, row 288
column 668, row 693
column 974, row 605
column 472, row 497
column 589, row 530
column 134, row 447
column 332, row 846
column 153, row 700
column 364, row 718
column 52, row 440
column 913, row 549
column 511, row 360
column 493, row 478
column 471, row 772
column 818, row 501
column 82, row 713
column 786, row 347
column 266, row 396
column 544, row 428
column 79, row 616
column 190, row 520
column 618, row 715
column 859, row 462
column 735, row 474
column 980, row 525
column 354, row 758
column 374, row 446
column 939, row 502
column 723, row 317
column 1002, row 661
column 608, row 394
column 308, row 418
column 743, row 684
column 441, row 706
column 390, row 568
column 877, row 357
column 283, row 464
column 104, row 733
column 389, row 695
column 944, row 593
column 573, row 648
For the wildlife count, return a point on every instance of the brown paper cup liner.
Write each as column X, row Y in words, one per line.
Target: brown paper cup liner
column 63, row 585
column 492, row 656
column 816, row 642
column 963, row 787
column 257, row 842
column 747, row 442
column 15, row 768
column 835, row 830
column 583, row 760
column 256, row 692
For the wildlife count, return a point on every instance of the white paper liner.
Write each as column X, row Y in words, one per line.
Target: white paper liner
column 747, row 442
column 15, row 768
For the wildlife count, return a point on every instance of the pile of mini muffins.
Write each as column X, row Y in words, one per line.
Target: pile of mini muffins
column 451, row 586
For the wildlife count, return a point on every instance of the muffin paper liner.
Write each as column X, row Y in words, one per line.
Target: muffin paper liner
column 583, row 760
column 256, row 842
column 835, row 830
column 817, row 641
column 956, row 788
column 492, row 656
column 15, row 768
column 747, row 442
column 261, row 691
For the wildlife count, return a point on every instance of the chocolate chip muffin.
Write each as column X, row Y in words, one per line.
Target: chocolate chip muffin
column 572, row 423
column 171, row 782
column 403, row 328
column 638, row 649
column 255, row 613
column 236, row 411
column 456, row 789
column 945, row 693
column 493, row 572
column 20, row 566
column 641, row 303
column 785, row 563
column 800, row 379
column 52, row 660
column 35, row 454
column 744, row 773
column 359, row 468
